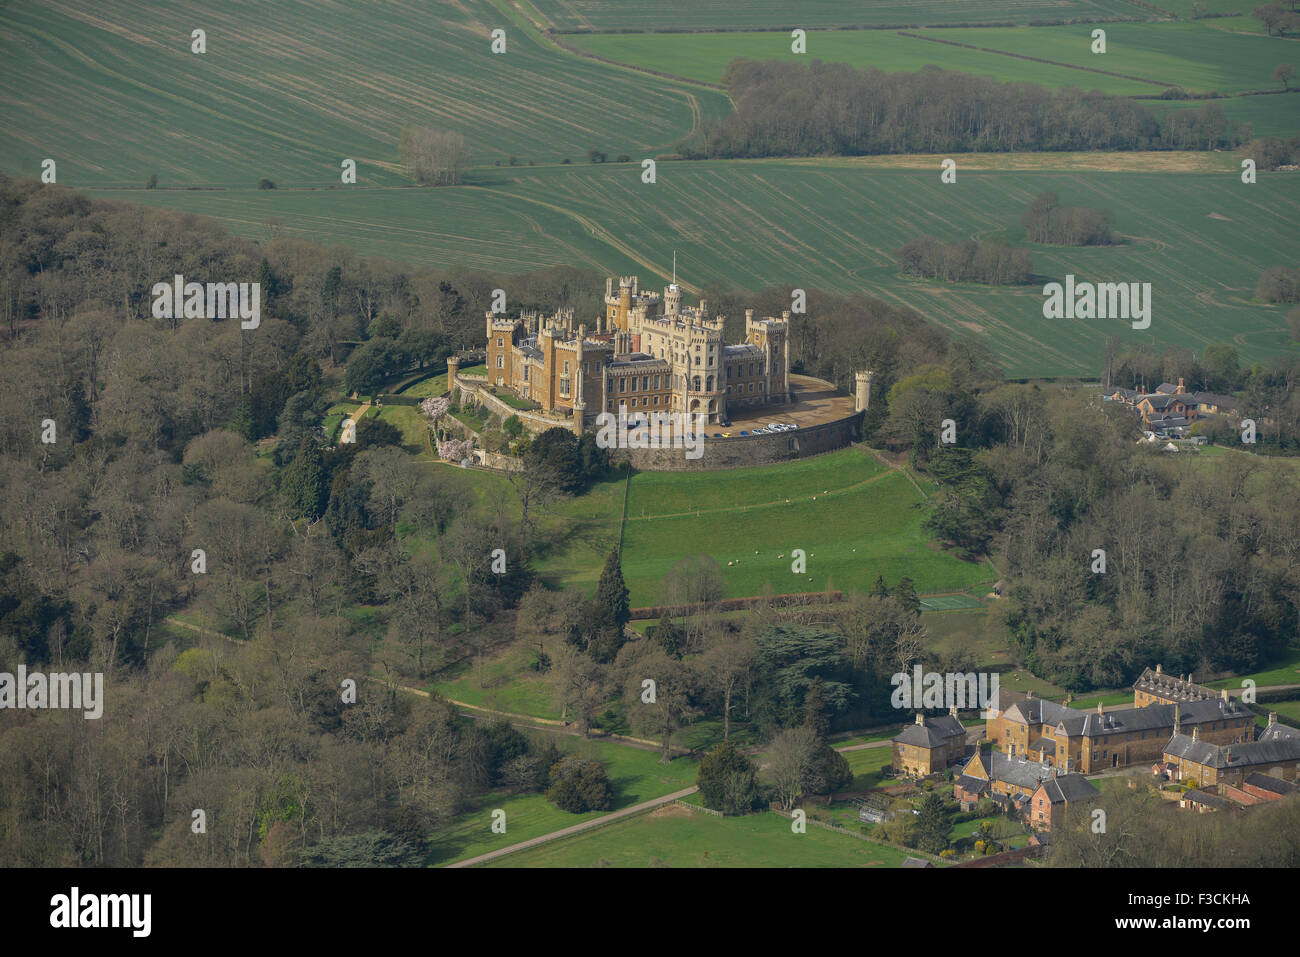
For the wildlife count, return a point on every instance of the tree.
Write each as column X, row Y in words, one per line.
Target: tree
column 433, row 157
column 612, row 593
column 304, row 483
column 932, row 825
column 788, row 759
column 664, row 707
column 581, row 686
column 727, row 666
column 727, row 780
column 1284, row 73
column 555, row 461
column 578, row 786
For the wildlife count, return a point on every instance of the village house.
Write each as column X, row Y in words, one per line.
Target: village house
column 1050, row 805
column 1088, row 742
column 1276, row 753
column 1171, row 409
column 1040, row 792
column 929, row 745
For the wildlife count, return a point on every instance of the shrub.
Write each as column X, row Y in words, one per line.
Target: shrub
column 265, row 184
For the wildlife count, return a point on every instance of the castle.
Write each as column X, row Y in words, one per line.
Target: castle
column 648, row 353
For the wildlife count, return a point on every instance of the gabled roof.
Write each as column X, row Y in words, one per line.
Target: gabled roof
column 1037, row 711
column 1234, row 755
column 1064, row 788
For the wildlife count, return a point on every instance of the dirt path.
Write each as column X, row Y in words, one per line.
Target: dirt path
column 578, row 828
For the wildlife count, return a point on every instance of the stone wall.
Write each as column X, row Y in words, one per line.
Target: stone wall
column 742, row 451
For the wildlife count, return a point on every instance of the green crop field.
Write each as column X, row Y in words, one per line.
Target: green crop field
column 1269, row 115
column 704, row 56
column 1200, row 239
column 677, row 837
column 114, row 94
column 868, row 526
column 651, row 15
column 1140, row 58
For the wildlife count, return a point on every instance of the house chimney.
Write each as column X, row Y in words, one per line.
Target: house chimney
column 953, row 711
column 1196, row 732
column 1159, row 669
column 920, row 718
column 1272, row 718
column 1099, row 707
column 1224, row 695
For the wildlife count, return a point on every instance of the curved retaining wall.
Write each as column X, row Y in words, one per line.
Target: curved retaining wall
column 739, row 452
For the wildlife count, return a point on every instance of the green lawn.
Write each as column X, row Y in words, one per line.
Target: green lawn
column 867, row 526
column 1285, row 672
column 866, row 765
column 437, row 385
column 635, row 774
column 677, row 837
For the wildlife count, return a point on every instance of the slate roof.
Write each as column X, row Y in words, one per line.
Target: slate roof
column 1037, row 711
column 1172, row 686
column 1069, row 787
column 1153, row 717
column 1266, row 782
column 1211, row 398
column 1042, row 743
column 1277, row 732
column 1234, row 755
column 1209, row 800
column 933, row 733
column 970, row 784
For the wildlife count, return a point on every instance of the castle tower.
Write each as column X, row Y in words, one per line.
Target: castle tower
column 579, row 403
column 673, row 300
column 862, row 395
column 453, row 367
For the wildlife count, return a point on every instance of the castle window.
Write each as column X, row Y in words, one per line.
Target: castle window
column 656, row 400
column 730, row 369
column 501, row 362
column 751, row 368
column 564, row 386
column 622, row 385
column 566, row 366
column 696, row 384
column 500, row 342
column 525, row 372
column 645, row 383
column 656, row 382
column 751, row 387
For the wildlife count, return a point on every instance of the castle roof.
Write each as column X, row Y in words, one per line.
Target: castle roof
column 1172, row 687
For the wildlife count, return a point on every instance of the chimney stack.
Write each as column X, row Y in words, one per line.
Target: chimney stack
column 920, row 719
column 1196, row 732
column 1159, row 669
column 1272, row 718
column 1099, row 707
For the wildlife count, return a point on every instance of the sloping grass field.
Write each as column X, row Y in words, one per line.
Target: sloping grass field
column 1200, row 239
column 113, row 93
column 869, row 524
